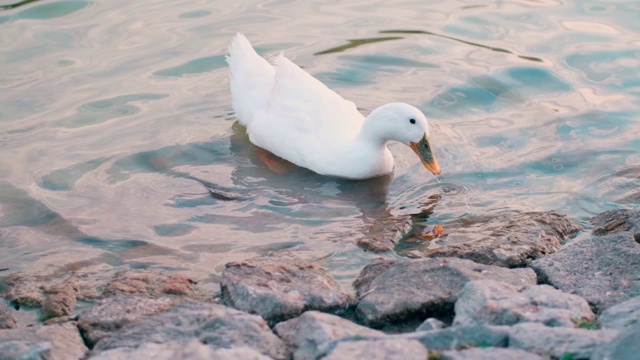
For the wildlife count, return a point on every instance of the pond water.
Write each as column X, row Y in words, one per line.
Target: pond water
column 114, row 114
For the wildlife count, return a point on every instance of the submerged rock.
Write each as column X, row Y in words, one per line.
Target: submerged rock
column 7, row 321
column 279, row 289
column 489, row 353
column 111, row 314
column 416, row 289
column 559, row 342
column 615, row 221
column 602, row 269
column 24, row 291
column 490, row 302
column 216, row 326
column 378, row 349
column 621, row 316
column 311, row 335
column 53, row 342
column 150, row 283
column 60, row 300
column 509, row 241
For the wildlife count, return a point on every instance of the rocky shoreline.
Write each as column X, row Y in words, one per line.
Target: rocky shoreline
column 509, row 294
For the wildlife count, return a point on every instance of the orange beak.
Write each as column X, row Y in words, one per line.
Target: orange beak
column 423, row 150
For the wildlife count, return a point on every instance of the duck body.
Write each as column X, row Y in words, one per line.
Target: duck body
column 296, row 117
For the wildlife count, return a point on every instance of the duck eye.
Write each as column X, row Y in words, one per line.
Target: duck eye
column 413, row 121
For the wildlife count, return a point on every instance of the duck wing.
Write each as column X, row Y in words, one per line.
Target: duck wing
column 303, row 119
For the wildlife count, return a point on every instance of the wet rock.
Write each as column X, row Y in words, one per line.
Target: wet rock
column 559, row 342
column 625, row 346
column 149, row 283
column 416, row 289
column 431, row 324
column 279, row 289
column 489, row 354
column 51, row 342
column 510, row 241
column 615, row 221
column 311, row 335
column 111, row 314
column 490, row 302
column 378, row 349
column 60, row 300
column 602, row 269
column 621, row 316
column 24, row 291
column 383, row 235
column 214, row 325
column 456, row 337
column 7, row 321
column 191, row 350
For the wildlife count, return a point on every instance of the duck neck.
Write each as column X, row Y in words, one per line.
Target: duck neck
column 372, row 130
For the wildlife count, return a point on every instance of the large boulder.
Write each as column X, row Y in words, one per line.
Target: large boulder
column 490, row 302
column 559, row 342
column 489, row 353
column 112, row 313
column 510, row 240
column 190, row 350
column 621, row 316
column 456, row 337
column 625, row 346
column 214, row 325
column 378, row 349
column 312, row 334
column 51, row 342
column 279, row 289
column 602, row 269
column 416, row 289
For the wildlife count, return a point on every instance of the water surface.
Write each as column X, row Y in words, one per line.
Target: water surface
column 113, row 114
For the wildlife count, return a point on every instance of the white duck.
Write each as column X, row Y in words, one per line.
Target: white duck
column 296, row 117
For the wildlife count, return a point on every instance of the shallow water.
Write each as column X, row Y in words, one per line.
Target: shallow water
column 114, row 114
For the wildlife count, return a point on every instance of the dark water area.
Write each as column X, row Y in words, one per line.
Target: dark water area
column 118, row 143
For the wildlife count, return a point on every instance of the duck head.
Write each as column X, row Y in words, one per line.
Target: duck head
column 406, row 124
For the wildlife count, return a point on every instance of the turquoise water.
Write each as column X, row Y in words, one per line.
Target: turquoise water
column 113, row 114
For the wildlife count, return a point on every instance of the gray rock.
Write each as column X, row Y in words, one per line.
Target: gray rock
column 214, row 325
column 25, row 350
column 383, row 235
column 489, row 353
column 510, row 241
column 603, row 270
column 615, row 221
column 415, row 289
column 53, row 342
column 110, row 314
column 60, row 300
column 279, row 289
column 191, row 350
column 311, row 335
column 431, row 324
column 558, row 342
column 378, row 349
column 7, row 321
column 490, row 302
column 456, row 337
column 623, row 315
column 626, row 346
